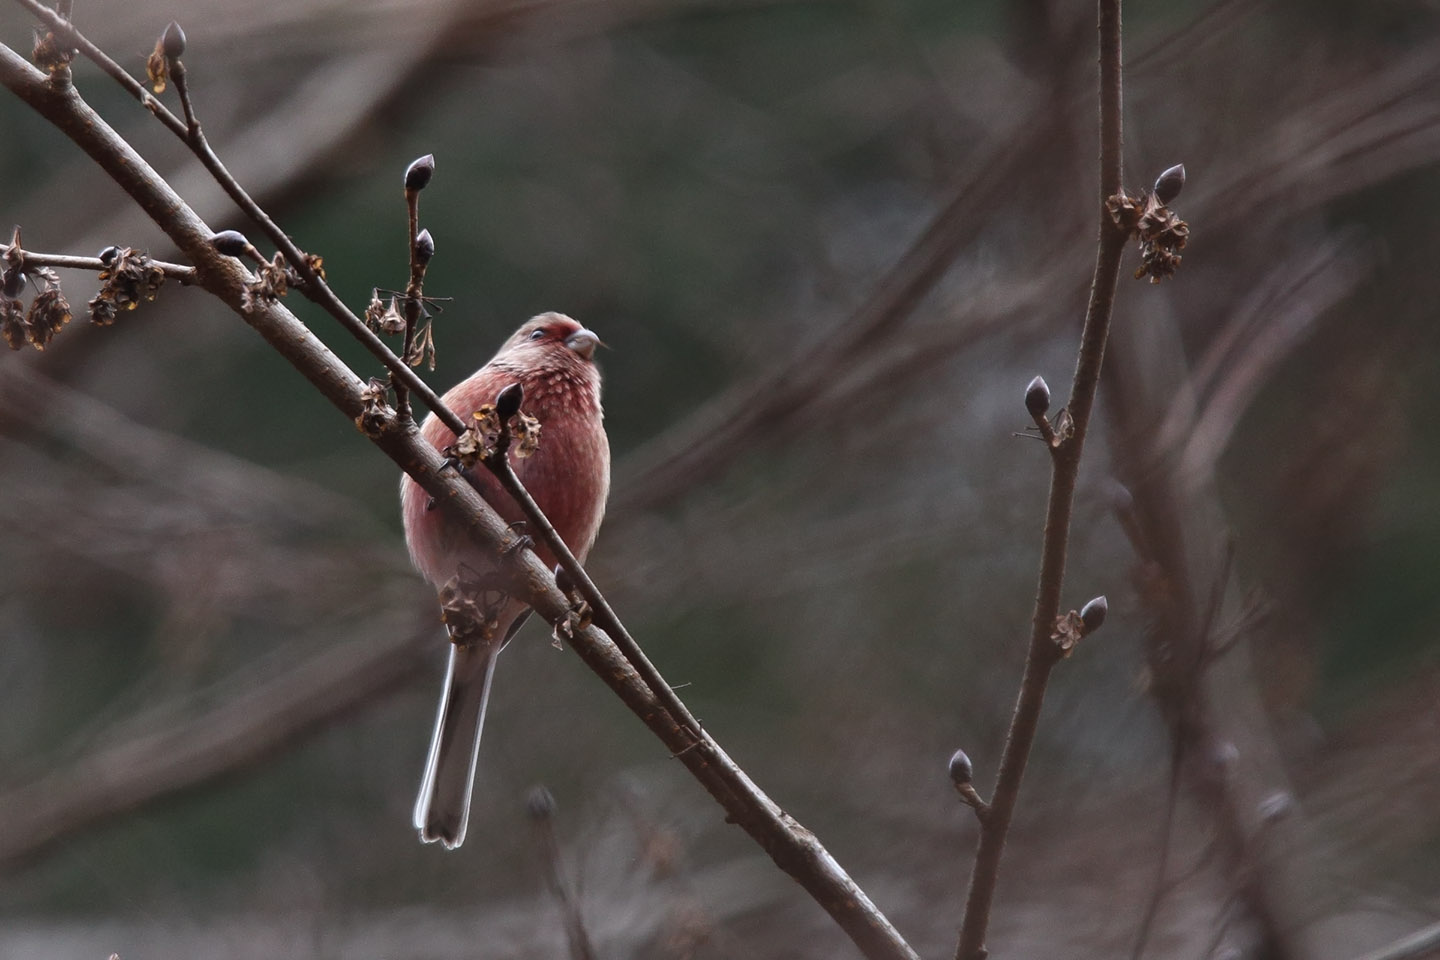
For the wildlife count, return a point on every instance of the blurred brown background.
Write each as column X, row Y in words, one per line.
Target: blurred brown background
column 828, row 243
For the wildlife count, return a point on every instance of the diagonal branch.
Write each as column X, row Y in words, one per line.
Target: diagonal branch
column 793, row 848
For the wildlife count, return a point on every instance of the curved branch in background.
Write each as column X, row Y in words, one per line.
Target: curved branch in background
column 793, row 848
column 243, row 730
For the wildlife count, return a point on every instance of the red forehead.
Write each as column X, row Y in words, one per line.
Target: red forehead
column 556, row 325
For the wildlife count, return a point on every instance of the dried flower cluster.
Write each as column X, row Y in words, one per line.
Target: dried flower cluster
column 127, row 278
column 489, row 435
column 376, row 411
column 1068, row 630
column 162, row 60
column 467, row 616
column 1149, row 219
column 49, row 54
column 275, row 277
column 48, row 311
column 384, row 317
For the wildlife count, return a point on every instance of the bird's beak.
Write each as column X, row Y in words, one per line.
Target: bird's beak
column 583, row 342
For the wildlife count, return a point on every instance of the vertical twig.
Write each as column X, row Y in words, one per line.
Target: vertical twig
column 422, row 248
column 1065, row 466
column 540, row 806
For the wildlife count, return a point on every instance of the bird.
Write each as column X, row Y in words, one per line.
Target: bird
column 552, row 357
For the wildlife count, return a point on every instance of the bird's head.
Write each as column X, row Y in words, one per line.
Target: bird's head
column 551, row 338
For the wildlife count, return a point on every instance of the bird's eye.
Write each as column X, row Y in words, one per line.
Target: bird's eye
column 537, row 334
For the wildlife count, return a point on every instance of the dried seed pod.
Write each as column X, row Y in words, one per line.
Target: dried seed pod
column 1093, row 614
column 1169, row 184
column 1037, row 397
column 418, row 174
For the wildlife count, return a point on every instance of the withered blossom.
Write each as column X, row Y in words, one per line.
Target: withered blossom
column 489, row 435
column 12, row 322
column 126, row 280
column 49, row 311
column 1161, row 233
column 49, row 54
column 1068, row 630
column 375, row 412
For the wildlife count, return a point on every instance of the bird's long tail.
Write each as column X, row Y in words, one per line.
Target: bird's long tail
column 443, row 808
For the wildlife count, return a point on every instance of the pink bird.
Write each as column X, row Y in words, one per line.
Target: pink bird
column 552, row 357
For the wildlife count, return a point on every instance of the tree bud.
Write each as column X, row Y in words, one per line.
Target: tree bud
column 424, row 247
column 172, row 41
column 108, row 255
column 507, row 401
column 1169, row 184
column 231, row 243
column 961, row 770
column 418, row 174
column 1093, row 614
column 1037, row 397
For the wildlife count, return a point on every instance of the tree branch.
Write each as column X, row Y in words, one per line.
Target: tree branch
column 1043, row 652
column 793, row 848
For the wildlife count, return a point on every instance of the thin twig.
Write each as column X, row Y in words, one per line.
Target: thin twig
column 402, row 376
column 602, row 611
column 789, row 845
column 1158, row 887
column 313, row 286
column 540, row 805
column 175, row 271
column 1043, row 654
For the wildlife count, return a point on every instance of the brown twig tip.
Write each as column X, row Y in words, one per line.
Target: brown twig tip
column 418, row 174
column 1037, row 398
column 540, row 804
column 424, row 247
column 172, row 41
column 508, row 401
column 1092, row 615
column 1169, row 184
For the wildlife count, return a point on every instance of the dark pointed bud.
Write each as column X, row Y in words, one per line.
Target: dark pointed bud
column 1037, row 397
column 424, row 247
column 109, row 254
column 961, row 770
column 540, row 803
column 507, row 402
column 1168, row 186
column 232, row 243
column 418, row 174
column 1093, row 614
column 563, row 580
column 14, row 282
column 172, row 42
